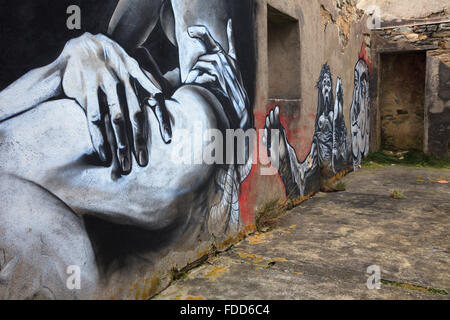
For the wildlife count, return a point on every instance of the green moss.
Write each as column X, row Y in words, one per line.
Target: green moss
column 268, row 216
column 340, row 186
column 178, row 275
column 409, row 158
column 413, row 287
column 397, row 194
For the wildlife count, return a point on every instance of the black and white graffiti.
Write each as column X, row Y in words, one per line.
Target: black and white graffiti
column 85, row 143
column 330, row 146
column 359, row 114
column 295, row 174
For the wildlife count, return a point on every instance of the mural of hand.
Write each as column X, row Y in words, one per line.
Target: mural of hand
column 95, row 64
column 219, row 67
column 275, row 141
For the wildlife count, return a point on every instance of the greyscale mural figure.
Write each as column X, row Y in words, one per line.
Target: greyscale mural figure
column 85, row 145
column 330, row 145
column 359, row 113
column 329, row 132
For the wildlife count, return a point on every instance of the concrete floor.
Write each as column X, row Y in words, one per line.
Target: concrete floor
column 321, row 249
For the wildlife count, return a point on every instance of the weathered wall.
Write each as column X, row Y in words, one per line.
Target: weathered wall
column 427, row 36
column 402, row 102
column 332, row 35
column 87, row 173
column 437, row 104
column 398, row 12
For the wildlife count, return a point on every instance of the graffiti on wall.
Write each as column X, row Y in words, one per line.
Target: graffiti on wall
column 359, row 112
column 331, row 151
column 85, row 176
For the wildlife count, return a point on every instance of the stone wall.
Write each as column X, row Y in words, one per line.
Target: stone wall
column 393, row 13
column 437, row 104
column 434, row 39
column 422, row 37
column 402, row 101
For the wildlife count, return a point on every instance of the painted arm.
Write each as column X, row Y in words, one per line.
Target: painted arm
column 282, row 155
column 32, row 89
column 219, row 71
column 89, row 70
column 133, row 21
column 92, row 64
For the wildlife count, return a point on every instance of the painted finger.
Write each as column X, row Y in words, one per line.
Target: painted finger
column 118, row 124
column 220, row 59
column 115, row 165
column 264, row 137
column 232, row 74
column 148, row 82
column 213, row 58
column 202, row 33
column 158, row 106
column 235, row 91
column 94, row 124
column 205, row 78
column 205, row 67
column 277, row 116
column 138, row 125
column 231, row 47
column 193, row 75
column 209, row 68
column 269, row 135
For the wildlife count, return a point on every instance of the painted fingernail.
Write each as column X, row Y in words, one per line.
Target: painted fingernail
column 102, row 153
column 125, row 165
column 152, row 102
column 143, row 159
column 166, row 132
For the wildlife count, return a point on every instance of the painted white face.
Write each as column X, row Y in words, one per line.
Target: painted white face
column 326, row 88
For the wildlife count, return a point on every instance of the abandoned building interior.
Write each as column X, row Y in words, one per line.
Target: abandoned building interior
column 85, row 181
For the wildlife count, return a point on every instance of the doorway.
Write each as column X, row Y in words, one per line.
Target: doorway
column 402, row 102
column 283, row 55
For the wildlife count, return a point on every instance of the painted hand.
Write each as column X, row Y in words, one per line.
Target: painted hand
column 104, row 81
column 275, row 136
column 219, row 68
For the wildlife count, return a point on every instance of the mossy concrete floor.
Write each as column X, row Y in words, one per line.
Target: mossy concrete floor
column 322, row 249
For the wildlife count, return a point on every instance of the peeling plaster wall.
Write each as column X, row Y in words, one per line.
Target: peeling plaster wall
column 437, row 116
column 395, row 12
column 331, row 32
column 346, row 14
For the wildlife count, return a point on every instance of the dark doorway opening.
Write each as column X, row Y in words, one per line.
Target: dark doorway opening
column 402, row 101
column 283, row 55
